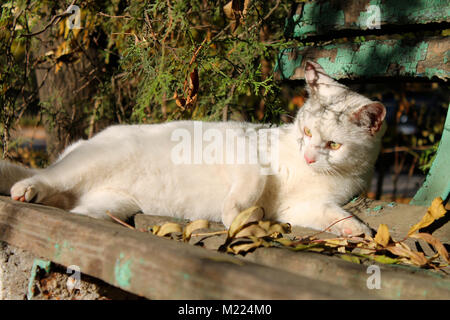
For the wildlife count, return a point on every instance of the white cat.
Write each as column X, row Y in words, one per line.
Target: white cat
column 182, row 169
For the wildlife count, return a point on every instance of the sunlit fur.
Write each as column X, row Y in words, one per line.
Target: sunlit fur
column 127, row 169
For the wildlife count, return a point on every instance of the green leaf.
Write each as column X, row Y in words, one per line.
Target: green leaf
column 350, row 258
column 385, row 259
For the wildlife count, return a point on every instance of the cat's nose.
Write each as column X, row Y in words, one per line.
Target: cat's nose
column 309, row 160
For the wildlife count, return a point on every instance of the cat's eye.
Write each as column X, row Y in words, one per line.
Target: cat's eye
column 307, row 132
column 333, row 145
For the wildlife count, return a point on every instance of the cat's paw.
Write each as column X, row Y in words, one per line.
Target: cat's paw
column 351, row 227
column 27, row 191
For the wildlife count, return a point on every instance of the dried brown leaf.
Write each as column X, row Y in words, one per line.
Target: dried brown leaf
column 435, row 211
column 403, row 251
column 181, row 102
column 434, row 242
column 193, row 83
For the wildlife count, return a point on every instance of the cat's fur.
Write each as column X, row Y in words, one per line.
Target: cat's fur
column 128, row 168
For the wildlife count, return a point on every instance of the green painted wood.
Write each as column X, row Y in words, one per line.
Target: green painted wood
column 320, row 17
column 151, row 266
column 437, row 183
column 426, row 58
column 42, row 265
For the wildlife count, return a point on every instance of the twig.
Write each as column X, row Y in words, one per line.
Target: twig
column 209, row 233
column 120, row 221
column 110, row 16
column 53, row 21
column 194, row 57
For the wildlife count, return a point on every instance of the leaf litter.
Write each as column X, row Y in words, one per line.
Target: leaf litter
column 248, row 232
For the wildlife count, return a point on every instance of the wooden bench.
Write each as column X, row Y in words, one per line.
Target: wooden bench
column 158, row 268
column 386, row 42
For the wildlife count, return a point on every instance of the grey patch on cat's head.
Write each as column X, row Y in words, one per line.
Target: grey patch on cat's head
column 331, row 99
column 335, row 113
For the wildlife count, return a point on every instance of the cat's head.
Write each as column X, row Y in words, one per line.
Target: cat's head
column 339, row 130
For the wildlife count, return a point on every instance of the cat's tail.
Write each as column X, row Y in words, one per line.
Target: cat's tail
column 11, row 173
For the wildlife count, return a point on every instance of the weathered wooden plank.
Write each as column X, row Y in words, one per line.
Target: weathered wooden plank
column 318, row 18
column 426, row 58
column 150, row 266
column 398, row 282
column 437, row 183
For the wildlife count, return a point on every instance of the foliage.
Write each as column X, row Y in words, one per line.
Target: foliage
column 147, row 52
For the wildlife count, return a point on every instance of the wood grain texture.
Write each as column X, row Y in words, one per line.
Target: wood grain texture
column 150, row 266
column 398, row 282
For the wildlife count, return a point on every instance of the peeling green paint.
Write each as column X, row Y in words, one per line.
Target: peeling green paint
column 59, row 249
column 122, row 271
column 377, row 208
column 374, row 209
column 37, row 263
column 391, row 204
column 373, row 58
column 57, row 253
column 430, row 72
column 318, row 18
column 286, row 65
column 311, row 20
column 186, row 276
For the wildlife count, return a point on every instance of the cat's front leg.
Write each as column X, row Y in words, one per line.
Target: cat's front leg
column 327, row 217
column 244, row 193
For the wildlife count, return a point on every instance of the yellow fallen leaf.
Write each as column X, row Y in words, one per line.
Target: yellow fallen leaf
column 317, row 247
column 434, row 242
column 435, row 211
column 265, row 224
column 245, row 247
column 350, row 258
column 284, row 241
column 382, row 237
column 167, row 228
column 384, row 259
column 192, row 226
column 279, row 228
column 252, row 230
column 336, row 242
column 251, row 214
column 341, row 250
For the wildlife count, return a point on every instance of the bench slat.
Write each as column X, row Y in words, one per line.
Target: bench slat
column 148, row 265
column 318, row 18
column 426, row 58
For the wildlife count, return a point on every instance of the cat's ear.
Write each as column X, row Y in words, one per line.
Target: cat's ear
column 370, row 116
column 317, row 79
